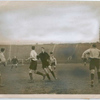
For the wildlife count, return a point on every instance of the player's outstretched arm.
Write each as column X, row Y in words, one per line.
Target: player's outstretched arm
column 55, row 61
column 84, row 53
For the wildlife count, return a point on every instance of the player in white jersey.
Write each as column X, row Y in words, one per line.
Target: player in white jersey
column 2, row 61
column 53, row 61
column 33, row 64
column 94, row 62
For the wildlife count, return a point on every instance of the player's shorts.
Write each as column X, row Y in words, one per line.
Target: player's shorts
column 45, row 64
column 3, row 63
column 33, row 65
column 84, row 60
column 94, row 63
column 53, row 64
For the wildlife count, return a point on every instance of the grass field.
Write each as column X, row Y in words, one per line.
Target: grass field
column 73, row 78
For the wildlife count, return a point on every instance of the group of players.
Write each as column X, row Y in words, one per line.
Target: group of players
column 93, row 54
column 48, row 61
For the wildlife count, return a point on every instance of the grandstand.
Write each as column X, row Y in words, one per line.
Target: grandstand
column 63, row 52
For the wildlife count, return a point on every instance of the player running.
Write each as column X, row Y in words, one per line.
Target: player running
column 53, row 61
column 14, row 62
column 45, row 59
column 94, row 62
column 2, row 61
column 33, row 64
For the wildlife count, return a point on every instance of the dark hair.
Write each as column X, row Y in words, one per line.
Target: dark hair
column 94, row 45
column 51, row 52
column 2, row 49
column 42, row 47
column 33, row 47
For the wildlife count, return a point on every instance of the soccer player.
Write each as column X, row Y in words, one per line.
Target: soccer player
column 14, row 62
column 2, row 61
column 33, row 64
column 53, row 61
column 45, row 59
column 94, row 61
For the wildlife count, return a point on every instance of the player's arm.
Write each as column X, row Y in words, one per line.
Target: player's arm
column 55, row 61
column 84, row 53
column 31, row 56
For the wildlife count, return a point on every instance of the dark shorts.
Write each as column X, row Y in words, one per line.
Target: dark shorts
column 53, row 64
column 3, row 63
column 33, row 65
column 45, row 65
column 85, row 60
column 94, row 63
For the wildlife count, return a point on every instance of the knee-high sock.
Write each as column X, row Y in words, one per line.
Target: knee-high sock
column 52, row 74
column 98, row 73
column 39, row 73
column 92, row 76
column 30, row 74
column 48, row 76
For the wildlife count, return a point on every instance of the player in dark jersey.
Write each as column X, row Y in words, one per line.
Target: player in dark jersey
column 14, row 62
column 45, row 59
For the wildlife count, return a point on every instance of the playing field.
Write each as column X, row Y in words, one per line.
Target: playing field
column 72, row 79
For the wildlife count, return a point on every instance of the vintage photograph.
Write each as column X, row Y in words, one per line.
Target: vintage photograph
column 49, row 47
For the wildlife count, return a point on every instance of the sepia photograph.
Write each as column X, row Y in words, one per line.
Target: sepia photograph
column 50, row 47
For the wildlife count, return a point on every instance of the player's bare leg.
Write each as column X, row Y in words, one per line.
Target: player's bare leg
column 53, row 74
column 92, row 77
column 30, row 75
column 85, row 63
column 16, row 66
column 47, row 74
column 54, row 67
column 39, row 73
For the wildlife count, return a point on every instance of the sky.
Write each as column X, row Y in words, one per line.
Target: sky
column 49, row 22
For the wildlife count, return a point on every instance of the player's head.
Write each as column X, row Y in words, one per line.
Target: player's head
column 94, row 46
column 42, row 49
column 2, row 49
column 51, row 53
column 33, row 47
column 14, row 56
